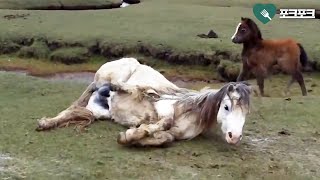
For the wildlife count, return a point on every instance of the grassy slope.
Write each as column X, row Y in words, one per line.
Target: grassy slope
column 66, row 154
column 173, row 24
column 17, row 4
column 26, row 4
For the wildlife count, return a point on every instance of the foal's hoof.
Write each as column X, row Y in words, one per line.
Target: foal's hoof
column 122, row 138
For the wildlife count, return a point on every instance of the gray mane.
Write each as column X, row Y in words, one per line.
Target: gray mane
column 207, row 102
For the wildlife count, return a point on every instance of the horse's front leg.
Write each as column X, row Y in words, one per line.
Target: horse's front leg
column 157, row 139
column 135, row 134
column 123, row 87
column 243, row 72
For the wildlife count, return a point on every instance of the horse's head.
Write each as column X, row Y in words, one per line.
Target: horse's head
column 234, row 106
column 246, row 31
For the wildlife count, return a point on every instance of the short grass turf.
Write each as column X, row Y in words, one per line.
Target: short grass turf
column 94, row 154
column 171, row 24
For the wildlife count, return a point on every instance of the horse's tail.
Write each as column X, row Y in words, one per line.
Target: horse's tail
column 303, row 56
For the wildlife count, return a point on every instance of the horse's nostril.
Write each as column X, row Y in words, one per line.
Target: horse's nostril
column 230, row 134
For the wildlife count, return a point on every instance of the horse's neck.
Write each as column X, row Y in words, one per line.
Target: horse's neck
column 250, row 46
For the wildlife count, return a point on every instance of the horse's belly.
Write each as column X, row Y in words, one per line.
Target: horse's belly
column 165, row 108
column 128, row 112
column 187, row 127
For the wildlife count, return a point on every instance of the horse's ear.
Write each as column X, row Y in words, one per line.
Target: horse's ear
column 242, row 18
column 152, row 93
column 245, row 83
column 231, row 88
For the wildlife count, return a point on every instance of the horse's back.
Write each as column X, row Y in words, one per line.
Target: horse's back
column 115, row 71
column 286, row 53
column 281, row 44
column 148, row 77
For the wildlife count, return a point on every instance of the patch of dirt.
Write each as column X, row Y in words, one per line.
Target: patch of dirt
column 15, row 70
column 15, row 16
column 3, row 159
column 87, row 78
column 284, row 132
column 83, row 77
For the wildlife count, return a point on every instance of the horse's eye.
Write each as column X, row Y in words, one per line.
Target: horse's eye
column 226, row 108
column 243, row 30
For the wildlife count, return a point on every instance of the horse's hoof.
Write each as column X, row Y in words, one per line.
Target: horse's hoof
column 167, row 125
column 122, row 138
column 39, row 129
column 41, row 125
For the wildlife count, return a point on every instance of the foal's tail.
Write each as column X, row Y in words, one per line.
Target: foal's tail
column 303, row 56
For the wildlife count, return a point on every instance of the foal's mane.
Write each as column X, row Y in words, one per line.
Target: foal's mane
column 254, row 27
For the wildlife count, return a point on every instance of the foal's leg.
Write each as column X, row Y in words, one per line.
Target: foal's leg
column 157, row 139
column 298, row 76
column 260, row 82
column 135, row 134
column 290, row 82
column 243, row 72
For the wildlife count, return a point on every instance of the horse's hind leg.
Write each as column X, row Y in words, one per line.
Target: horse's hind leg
column 298, row 76
column 73, row 114
column 85, row 96
column 157, row 139
column 260, row 82
column 289, row 84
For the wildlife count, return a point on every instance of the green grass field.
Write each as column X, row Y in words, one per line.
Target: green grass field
column 172, row 25
column 39, row 40
column 94, row 154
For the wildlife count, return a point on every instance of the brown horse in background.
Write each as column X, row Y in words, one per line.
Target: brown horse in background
column 259, row 55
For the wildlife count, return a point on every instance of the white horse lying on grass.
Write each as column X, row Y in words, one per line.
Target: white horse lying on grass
column 155, row 110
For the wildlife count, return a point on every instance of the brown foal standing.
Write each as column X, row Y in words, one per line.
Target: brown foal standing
column 259, row 55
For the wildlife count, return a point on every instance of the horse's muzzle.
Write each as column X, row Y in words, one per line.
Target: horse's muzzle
column 235, row 40
column 233, row 138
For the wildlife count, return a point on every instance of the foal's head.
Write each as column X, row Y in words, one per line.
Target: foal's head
column 231, row 105
column 246, row 31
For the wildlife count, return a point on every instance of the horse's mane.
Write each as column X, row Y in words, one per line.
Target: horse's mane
column 207, row 103
column 253, row 26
